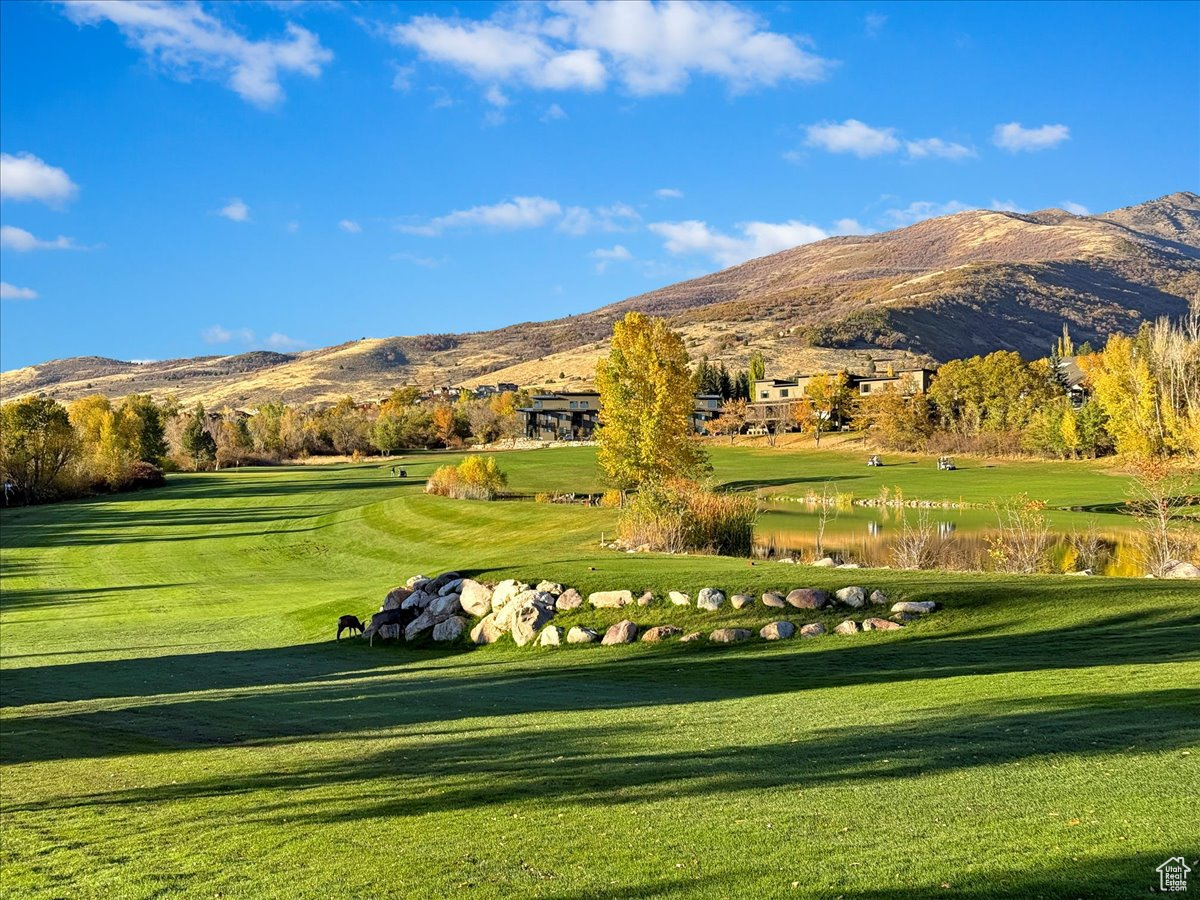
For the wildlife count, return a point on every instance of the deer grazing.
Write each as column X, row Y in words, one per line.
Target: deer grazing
column 349, row 623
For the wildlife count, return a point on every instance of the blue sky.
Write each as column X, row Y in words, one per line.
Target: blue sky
column 188, row 179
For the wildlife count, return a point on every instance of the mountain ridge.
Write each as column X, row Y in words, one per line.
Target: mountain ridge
column 955, row 285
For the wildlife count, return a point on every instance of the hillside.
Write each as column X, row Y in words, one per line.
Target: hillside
column 947, row 287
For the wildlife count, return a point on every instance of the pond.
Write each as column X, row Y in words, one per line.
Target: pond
column 869, row 535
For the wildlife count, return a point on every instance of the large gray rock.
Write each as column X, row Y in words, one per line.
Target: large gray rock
column 450, row 629
column 395, row 598
column 551, row 636
column 416, row 600
column 730, row 635
column 774, row 599
column 777, row 631
column 486, row 631
column 812, row 629
column 610, row 599
column 528, row 620
column 389, row 632
column 693, row 636
column 646, row 599
column 849, row 566
column 660, row 633
column 416, row 582
column 914, row 606
column 568, row 600
column 506, row 590
column 549, row 587
column 854, row 597
column 435, row 586
column 710, row 599
column 624, row 632
column 452, row 586
column 847, row 627
column 825, row 563
column 808, row 598
column 1181, row 569
column 878, row 598
column 581, row 635
column 874, row 624
column 475, row 598
column 445, row 605
column 741, row 601
column 418, row 626
column 679, row 598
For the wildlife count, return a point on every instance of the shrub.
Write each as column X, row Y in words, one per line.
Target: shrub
column 612, row 499
column 475, row 478
column 1021, row 543
column 143, row 475
column 681, row 515
column 543, row 497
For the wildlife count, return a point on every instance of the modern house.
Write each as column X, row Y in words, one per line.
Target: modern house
column 770, row 397
column 1074, row 381
column 573, row 415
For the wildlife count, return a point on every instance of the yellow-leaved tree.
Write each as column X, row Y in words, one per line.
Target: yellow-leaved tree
column 1124, row 385
column 646, row 402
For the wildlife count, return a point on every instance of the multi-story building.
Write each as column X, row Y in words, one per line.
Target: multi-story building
column 573, row 415
column 771, row 397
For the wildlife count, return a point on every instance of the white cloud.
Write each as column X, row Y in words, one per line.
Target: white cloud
column 12, row 292
column 235, row 210
column 554, row 113
column 874, row 23
column 25, row 177
column 277, row 341
column 22, row 241
column 350, row 226
column 849, row 226
column 215, row 334
column 936, row 147
column 582, row 220
column 852, row 136
column 921, row 210
column 757, row 239
column 647, row 47
column 496, row 97
column 426, row 262
column 1015, row 138
column 1076, row 209
column 1007, row 206
column 669, row 193
column 187, row 41
column 517, row 213
column 603, row 257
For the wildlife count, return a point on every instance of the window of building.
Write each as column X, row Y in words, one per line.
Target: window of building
column 583, row 404
column 537, row 404
column 783, row 392
column 574, row 405
column 764, row 395
column 712, row 404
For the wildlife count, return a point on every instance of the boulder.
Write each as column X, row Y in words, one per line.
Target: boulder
column 646, row 599
column 551, row 636
column 730, row 635
column 849, row 566
column 416, row 582
column 741, row 601
column 568, row 599
column 914, row 606
column 847, row 627
column 435, row 586
column 679, row 598
column 486, row 631
column 878, row 598
column 874, row 624
column 453, row 586
column 506, row 590
column 774, row 599
column 777, row 631
column 445, row 605
column 419, row 626
column 807, row 598
column 693, row 636
column 854, row 597
column 389, row 632
column 549, row 587
column 812, row 629
column 450, row 629
column 786, row 559
column 1181, row 569
column 710, row 599
column 624, row 632
column 610, row 599
column 395, row 598
column 417, row 600
column 528, row 620
column 397, row 617
column 904, row 618
column 660, row 633
column 475, row 598
column 580, row 635
column 825, row 563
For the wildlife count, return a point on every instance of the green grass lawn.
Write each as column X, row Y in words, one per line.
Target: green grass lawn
column 176, row 720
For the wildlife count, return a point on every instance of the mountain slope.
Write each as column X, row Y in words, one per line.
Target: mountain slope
column 953, row 286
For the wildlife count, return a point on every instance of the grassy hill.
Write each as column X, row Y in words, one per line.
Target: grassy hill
column 948, row 287
column 176, row 719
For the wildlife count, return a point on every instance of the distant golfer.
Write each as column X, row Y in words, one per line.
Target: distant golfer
column 10, row 490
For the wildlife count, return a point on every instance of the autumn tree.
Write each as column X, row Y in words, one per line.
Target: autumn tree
column 827, row 400
column 37, row 445
column 732, row 419
column 646, row 401
column 198, row 442
column 1124, row 385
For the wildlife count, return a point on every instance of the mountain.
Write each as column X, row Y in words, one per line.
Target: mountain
column 948, row 287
